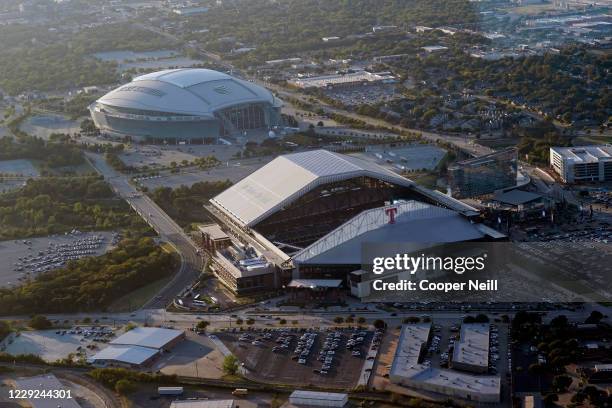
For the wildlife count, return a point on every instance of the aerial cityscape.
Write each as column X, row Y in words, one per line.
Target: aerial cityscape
column 305, row 203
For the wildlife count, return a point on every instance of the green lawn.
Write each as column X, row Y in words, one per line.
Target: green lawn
column 135, row 300
column 425, row 179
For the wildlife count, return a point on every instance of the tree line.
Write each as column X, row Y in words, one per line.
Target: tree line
column 57, row 205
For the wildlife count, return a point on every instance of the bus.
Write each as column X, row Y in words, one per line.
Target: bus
column 240, row 392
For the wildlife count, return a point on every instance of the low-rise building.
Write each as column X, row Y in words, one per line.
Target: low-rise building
column 350, row 79
column 137, row 347
column 212, row 237
column 408, row 370
column 203, row 404
column 471, row 352
column 242, row 269
column 582, row 164
column 318, row 399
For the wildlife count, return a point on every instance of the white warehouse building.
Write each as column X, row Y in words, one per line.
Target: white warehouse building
column 318, row 399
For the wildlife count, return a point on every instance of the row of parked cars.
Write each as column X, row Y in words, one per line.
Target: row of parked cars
column 304, row 347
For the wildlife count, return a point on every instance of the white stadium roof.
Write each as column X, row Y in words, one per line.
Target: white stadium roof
column 151, row 337
column 289, row 177
column 189, row 91
column 134, row 355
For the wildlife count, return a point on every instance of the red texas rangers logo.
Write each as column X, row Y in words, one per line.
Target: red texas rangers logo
column 391, row 213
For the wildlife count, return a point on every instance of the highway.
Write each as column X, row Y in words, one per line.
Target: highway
column 168, row 230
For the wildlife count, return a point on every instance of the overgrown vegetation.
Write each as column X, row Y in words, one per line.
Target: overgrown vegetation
column 185, row 204
column 90, row 284
column 57, row 205
column 121, row 379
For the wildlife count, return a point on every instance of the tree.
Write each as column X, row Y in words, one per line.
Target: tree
column 230, row 364
column 40, row 322
column 5, row 329
column 595, row 317
column 561, row 383
column 481, row 318
column 361, row 320
column 124, row 387
column 380, row 324
column 202, row 325
column 559, row 322
column 338, row 319
column 550, row 399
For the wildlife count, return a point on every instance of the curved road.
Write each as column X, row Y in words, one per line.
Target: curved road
column 168, row 230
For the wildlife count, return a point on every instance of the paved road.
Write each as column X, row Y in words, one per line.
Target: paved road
column 168, row 230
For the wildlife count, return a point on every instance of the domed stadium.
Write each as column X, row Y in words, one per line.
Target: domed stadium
column 191, row 105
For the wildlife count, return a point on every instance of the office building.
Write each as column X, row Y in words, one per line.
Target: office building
column 582, row 164
column 483, row 175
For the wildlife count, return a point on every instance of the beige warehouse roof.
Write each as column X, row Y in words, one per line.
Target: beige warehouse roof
column 288, row 177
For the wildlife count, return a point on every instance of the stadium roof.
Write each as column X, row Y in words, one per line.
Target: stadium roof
column 134, row 355
column 416, row 223
column 190, row 91
column 288, row 177
column 151, row 337
column 46, row 382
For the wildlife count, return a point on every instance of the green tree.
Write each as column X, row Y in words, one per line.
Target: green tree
column 40, row 322
column 230, row 364
column 124, row 387
column 202, row 325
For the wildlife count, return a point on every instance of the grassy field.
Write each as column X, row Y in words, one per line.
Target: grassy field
column 135, row 300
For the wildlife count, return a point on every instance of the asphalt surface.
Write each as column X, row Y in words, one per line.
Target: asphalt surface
column 169, row 231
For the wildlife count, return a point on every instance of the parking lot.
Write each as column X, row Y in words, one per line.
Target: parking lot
column 52, row 345
column 196, row 356
column 368, row 94
column 235, row 172
column 24, row 259
column 332, row 358
column 404, row 159
column 18, row 167
column 162, row 156
column 45, row 125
